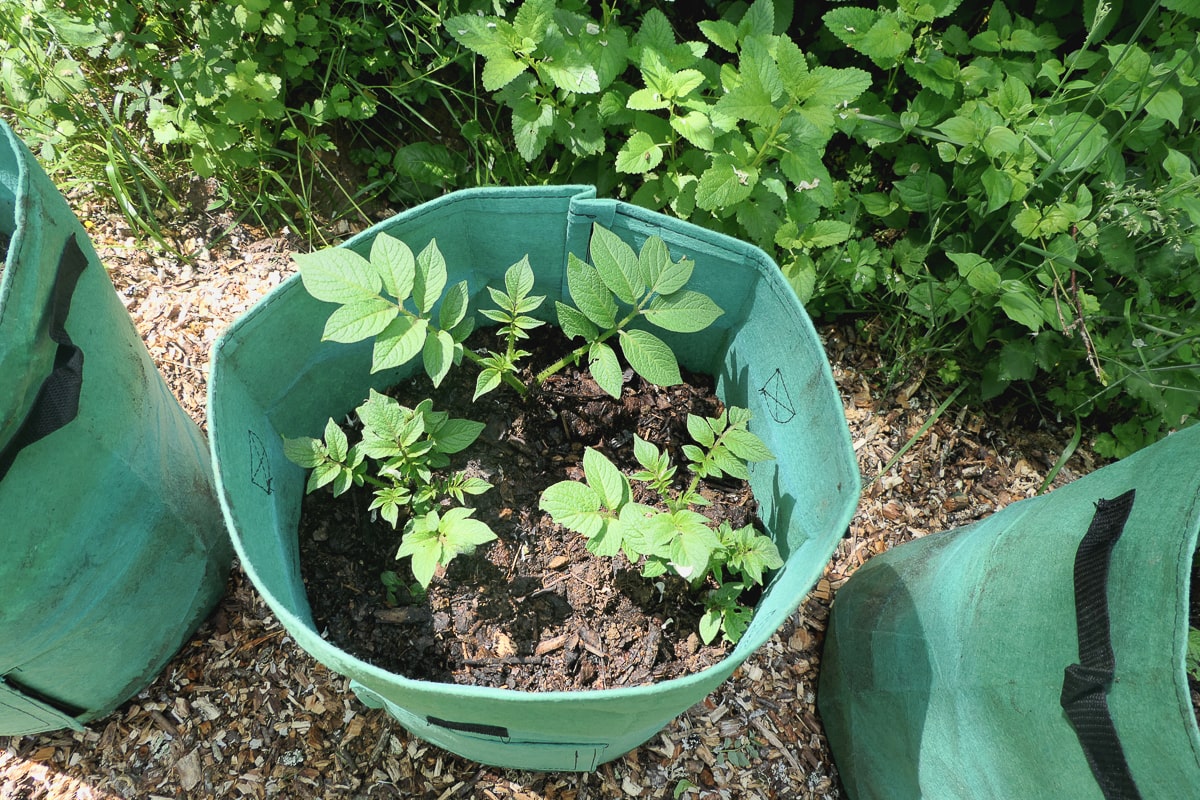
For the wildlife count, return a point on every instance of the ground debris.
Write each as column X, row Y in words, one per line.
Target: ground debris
column 242, row 712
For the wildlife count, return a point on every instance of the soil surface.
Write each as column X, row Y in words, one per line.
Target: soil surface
column 533, row 610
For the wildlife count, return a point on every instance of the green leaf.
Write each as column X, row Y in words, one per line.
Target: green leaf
column 461, row 533
column 573, row 505
column 438, row 356
column 725, row 184
column 500, row 70
column 590, row 294
column 322, row 475
column 573, row 323
column 662, row 275
column 923, row 192
column 650, row 357
column 518, row 280
column 483, row 35
column 398, row 343
column 646, row 453
column 609, row 484
column 824, row 87
column 394, row 261
column 454, row 306
column 701, row 430
column 336, row 444
column 338, row 275
column 430, row 277
column 710, row 625
column 381, row 416
column 1166, row 104
column 1020, row 305
column 1076, row 141
column 604, row 368
column 616, row 264
column 488, row 380
column 304, row 451
column 639, row 155
column 457, row 435
column 683, row 311
column 979, row 272
column 696, row 127
column 360, row 319
column 425, row 549
column 747, row 446
column 722, row 33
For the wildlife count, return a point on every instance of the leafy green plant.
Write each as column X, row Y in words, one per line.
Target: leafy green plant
column 1193, row 653
column 401, row 301
column 402, row 454
column 674, row 538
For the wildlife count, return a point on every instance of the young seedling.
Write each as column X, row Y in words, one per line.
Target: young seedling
column 400, row 455
column 391, row 296
column 675, row 538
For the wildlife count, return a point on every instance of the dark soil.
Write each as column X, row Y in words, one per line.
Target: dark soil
column 533, row 610
column 1194, row 622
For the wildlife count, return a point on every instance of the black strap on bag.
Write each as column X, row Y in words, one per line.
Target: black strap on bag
column 1086, row 684
column 58, row 399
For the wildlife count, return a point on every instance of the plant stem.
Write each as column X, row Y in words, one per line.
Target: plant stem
column 576, row 354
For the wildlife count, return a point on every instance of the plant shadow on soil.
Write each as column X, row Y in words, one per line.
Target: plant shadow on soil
column 533, row 610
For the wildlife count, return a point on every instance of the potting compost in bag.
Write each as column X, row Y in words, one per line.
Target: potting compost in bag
column 113, row 544
column 273, row 376
column 1038, row 653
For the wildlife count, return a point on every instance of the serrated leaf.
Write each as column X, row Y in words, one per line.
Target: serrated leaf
column 396, row 265
column 725, row 184
column 304, row 451
column 722, row 33
column 500, row 70
column 826, row 87
column 338, row 275
column 609, row 484
column 590, row 294
column 650, row 357
column 696, row 127
column 749, row 101
column 616, row 264
column 483, row 35
column 358, row 320
column 438, row 356
column 573, row 323
column 683, row 311
column 398, row 343
column 638, row 155
column 573, row 505
column 604, row 368
column 850, row 24
column 647, row 99
column 430, row 278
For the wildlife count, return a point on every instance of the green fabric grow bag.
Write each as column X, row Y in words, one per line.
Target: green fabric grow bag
column 272, row 376
column 954, row 665
column 113, row 543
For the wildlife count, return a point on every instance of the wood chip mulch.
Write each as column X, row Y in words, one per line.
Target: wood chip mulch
column 241, row 711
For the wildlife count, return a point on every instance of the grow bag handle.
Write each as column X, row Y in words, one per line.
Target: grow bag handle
column 1086, row 684
column 58, row 399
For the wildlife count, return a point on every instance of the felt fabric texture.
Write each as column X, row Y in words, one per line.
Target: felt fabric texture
column 114, row 547
column 944, row 662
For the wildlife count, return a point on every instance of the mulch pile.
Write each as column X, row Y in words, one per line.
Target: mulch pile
column 241, row 711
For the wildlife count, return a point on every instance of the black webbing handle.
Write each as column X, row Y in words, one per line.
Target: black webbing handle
column 58, row 398
column 1086, row 684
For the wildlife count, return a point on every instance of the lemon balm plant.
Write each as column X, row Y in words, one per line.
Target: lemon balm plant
column 401, row 300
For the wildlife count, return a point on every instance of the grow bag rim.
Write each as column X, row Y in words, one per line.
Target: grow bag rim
column 714, row 673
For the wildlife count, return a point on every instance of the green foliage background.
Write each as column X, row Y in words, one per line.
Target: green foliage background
column 1000, row 194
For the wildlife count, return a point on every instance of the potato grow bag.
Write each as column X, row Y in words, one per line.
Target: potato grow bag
column 273, row 376
column 1038, row 653
column 113, row 544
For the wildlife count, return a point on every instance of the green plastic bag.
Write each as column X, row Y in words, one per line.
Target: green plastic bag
column 272, row 375
column 114, row 549
column 955, row 667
